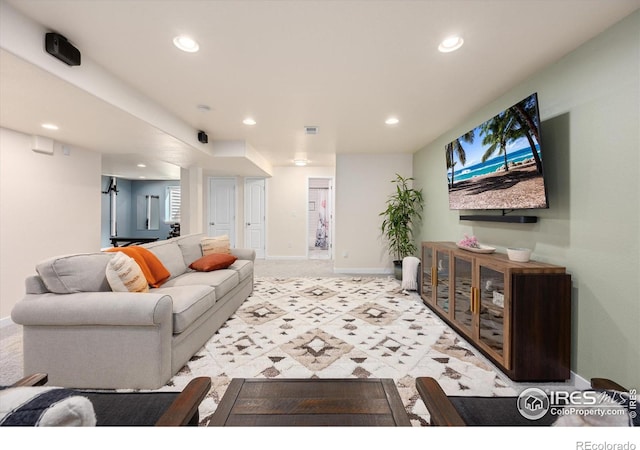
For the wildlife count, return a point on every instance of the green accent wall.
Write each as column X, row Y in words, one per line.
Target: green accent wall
column 590, row 114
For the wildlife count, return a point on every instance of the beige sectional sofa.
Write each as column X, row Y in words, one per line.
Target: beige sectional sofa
column 86, row 336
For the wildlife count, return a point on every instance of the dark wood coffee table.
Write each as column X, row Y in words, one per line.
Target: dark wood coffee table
column 310, row 402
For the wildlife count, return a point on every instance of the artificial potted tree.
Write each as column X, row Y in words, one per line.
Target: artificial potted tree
column 404, row 209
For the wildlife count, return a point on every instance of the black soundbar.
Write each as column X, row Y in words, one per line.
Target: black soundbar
column 505, row 218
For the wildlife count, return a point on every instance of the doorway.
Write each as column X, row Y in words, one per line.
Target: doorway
column 320, row 218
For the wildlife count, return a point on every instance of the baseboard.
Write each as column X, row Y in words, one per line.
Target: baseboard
column 363, row 271
column 579, row 382
column 286, row 258
column 6, row 322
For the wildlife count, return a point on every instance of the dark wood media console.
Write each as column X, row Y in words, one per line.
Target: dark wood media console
column 517, row 314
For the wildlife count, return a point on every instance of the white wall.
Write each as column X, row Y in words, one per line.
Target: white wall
column 363, row 185
column 286, row 206
column 590, row 113
column 50, row 205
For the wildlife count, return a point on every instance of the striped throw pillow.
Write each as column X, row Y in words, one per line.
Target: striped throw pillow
column 217, row 244
column 125, row 275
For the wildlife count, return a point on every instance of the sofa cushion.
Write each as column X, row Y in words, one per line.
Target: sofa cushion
column 243, row 267
column 214, row 261
column 34, row 285
column 216, row 244
column 189, row 303
column 125, row 275
column 190, row 247
column 170, row 255
column 223, row 280
column 154, row 271
column 83, row 272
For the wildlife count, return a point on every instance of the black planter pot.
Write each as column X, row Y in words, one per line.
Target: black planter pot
column 397, row 269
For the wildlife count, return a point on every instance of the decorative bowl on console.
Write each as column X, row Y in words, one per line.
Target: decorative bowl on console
column 471, row 244
column 519, row 254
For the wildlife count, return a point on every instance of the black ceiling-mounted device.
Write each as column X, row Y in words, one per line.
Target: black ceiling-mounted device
column 202, row 137
column 58, row 46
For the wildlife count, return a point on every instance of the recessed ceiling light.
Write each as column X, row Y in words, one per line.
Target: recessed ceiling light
column 186, row 44
column 50, row 126
column 392, row 121
column 249, row 121
column 451, row 44
column 142, row 165
column 300, row 162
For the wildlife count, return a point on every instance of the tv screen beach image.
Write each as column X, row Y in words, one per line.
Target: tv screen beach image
column 498, row 164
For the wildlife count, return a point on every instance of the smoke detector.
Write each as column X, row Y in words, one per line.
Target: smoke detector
column 310, row 130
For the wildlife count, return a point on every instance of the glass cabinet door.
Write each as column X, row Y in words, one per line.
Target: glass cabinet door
column 491, row 310
column 463, row 314
column 427, row 270
column 443, row 280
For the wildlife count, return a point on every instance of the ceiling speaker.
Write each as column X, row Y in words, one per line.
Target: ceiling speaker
column 58, row 46
column 202, row 137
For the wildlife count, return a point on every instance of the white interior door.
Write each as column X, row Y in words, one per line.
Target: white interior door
column 254, row 215
column 222, row 208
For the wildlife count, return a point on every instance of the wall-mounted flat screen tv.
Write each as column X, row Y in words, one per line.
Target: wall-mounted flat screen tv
column 498, row 164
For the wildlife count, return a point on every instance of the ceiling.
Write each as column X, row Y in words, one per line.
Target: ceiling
column 343, row 66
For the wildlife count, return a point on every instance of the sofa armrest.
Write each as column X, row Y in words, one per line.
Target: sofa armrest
column 441, row 410
column 605, row 383
column 36, row 379
column 184, row 409
column 93, row 308
column 244, row 253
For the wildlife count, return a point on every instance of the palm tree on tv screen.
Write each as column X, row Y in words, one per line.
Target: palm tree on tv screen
column 457, row 148
column 498, row 132
column 526, row 115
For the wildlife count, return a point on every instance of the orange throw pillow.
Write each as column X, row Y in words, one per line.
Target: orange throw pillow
column 213, row 261
column 154, row 271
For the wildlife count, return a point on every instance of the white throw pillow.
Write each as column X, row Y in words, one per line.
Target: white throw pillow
column 45, row 407
column 217, row 244
column 125, row 275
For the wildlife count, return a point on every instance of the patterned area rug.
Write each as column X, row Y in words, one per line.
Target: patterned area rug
column 340, row 328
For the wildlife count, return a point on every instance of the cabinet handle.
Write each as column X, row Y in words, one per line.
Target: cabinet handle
column 474, row 300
